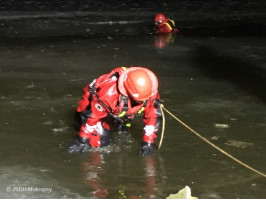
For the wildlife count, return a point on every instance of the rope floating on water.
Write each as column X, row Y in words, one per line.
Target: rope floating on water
column 210, row 143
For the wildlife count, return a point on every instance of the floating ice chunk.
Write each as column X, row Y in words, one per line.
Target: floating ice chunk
column 57, row 130
column 30, row 86
column 214, row 138
column 238, row 144
column 48, row 123
column 184, row 193
column 221, row 126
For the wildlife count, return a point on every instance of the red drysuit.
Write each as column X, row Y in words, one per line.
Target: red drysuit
column 166, row 26
column 103, row 97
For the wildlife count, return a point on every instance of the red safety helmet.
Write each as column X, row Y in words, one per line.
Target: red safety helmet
column 159, row 18
column 138, row 83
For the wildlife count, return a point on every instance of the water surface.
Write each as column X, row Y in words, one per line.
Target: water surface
column 204, row 81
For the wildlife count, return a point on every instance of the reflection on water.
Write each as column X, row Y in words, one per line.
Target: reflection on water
column 94, row 170
column 91, row 170
column 163, row 40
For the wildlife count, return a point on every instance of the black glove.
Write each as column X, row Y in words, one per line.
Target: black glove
column 79, row 145
column 147, row 149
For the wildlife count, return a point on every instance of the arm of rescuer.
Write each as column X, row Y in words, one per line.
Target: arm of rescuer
column 91, row 129
column 152, row 120
column 92, row 113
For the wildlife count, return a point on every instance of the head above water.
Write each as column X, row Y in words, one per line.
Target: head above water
column 159, row 18
column 138, row 83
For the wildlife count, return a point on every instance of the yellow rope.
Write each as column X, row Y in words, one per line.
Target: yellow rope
column 163, row 127
column 213, row 145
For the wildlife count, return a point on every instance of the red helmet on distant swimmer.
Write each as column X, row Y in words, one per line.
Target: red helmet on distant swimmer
column 159, row 18
column 139, row 83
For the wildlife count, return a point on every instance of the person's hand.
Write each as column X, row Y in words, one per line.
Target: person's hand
column 147, row 149
column 79, row 145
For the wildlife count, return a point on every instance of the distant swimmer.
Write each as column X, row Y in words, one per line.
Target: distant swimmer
column 164, row 25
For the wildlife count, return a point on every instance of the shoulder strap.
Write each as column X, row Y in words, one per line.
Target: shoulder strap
column 143, row 107
column 123, row 101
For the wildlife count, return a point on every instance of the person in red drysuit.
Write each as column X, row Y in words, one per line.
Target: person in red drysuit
column 164, row 25
column 121, row 94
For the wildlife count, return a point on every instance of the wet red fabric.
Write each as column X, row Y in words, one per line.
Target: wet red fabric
column 166, row 27
column 109, row 95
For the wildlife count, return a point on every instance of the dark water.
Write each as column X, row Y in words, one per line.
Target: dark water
column 204, row 81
